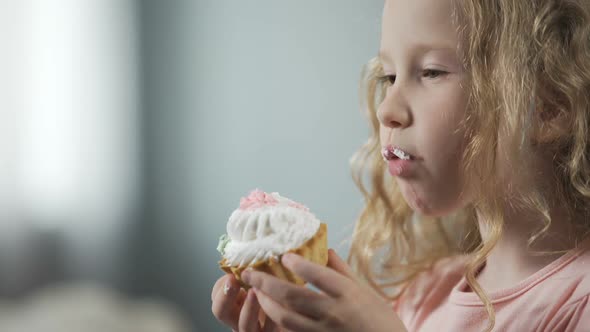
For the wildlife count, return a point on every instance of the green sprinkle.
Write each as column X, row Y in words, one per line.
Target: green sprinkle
column 223, row 241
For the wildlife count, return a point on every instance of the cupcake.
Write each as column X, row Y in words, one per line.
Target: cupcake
column 265, row 227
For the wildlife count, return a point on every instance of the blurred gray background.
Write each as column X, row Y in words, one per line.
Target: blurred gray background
column 129, row 131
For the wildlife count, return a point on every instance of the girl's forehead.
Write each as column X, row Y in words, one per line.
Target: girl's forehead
column 440, row 49
column 409, row 54
column 424, row 21
column 423, row 9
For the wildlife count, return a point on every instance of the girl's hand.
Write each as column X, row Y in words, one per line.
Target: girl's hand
column 238, row 309
column 343, row 304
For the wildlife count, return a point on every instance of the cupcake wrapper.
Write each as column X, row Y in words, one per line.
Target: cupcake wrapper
column 314, row 250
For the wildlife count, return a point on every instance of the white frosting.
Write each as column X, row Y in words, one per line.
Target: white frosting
column 267, row 231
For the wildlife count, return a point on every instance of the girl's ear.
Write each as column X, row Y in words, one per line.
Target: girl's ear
column 550, row 125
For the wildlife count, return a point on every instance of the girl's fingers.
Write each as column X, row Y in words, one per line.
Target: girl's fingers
column 227, row 301
column 327, row 280
column 270, row 326
column 225, row 283
column 248, row 320
column 336, row 263
column 284, row 318
column 218, row 285
column 297, row 298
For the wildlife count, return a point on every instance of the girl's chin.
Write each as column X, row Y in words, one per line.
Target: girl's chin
column 413, row 197
column 426, row 201
column 420, row 203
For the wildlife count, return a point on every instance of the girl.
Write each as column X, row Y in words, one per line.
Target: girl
column 481, row 110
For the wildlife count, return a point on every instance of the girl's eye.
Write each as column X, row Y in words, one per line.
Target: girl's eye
column 389, row 79
column 433, row 73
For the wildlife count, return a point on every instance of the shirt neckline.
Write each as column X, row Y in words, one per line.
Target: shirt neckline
column 466, row 298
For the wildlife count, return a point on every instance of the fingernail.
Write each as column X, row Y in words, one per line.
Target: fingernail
column 226, row 288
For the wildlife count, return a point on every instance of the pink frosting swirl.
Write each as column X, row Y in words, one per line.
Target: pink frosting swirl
column 257, row 199
column 298, row 206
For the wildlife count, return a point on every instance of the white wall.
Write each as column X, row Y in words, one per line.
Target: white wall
column 247, row 94
column 69, row 133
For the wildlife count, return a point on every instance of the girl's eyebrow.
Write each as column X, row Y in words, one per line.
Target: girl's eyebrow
column 418, row 49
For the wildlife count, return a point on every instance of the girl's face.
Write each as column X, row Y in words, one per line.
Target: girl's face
column 424, row 103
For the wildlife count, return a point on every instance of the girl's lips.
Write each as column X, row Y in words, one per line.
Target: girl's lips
column 400, row 167
column 393, row 152
column 399, row 161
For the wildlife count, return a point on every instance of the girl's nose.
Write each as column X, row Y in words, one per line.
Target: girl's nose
column 394, row 111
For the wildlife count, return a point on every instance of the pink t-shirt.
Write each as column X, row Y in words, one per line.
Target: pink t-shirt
column 556, row 298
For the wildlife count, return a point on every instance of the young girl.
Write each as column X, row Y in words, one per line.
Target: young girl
column 478, row 219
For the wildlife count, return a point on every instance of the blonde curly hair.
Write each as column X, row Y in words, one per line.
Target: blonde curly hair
column 520, row 57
